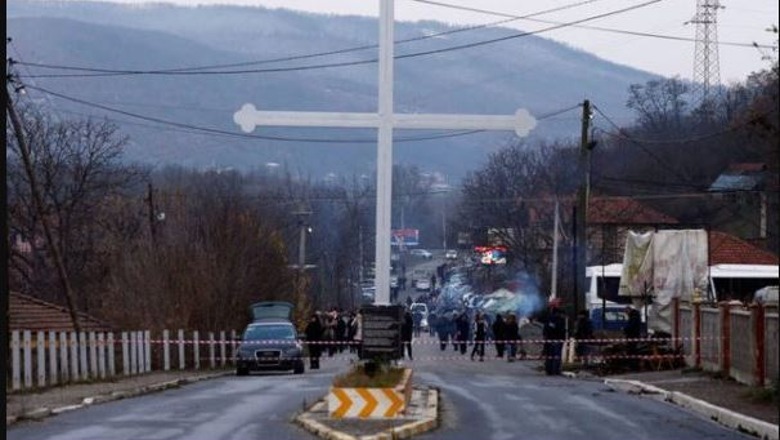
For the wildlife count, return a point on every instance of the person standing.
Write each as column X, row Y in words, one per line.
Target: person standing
column 358, row 338
column 406, row 333
column 433, row 323
column 499, row 335
column 554, row 332
column 633, row 331
column 583, row 331
column 462, row 331
column 480, row 334
column 313, row 336
column 512, row 336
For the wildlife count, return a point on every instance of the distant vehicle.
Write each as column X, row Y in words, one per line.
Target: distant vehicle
column 270, row 342
column 395, row 257
column 421, row 253
column 768, row 294
column 451, row 254
column 421, row 308
column 393, row 281
column 423, row 284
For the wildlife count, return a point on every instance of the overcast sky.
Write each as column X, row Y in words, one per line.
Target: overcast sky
column 743, row 21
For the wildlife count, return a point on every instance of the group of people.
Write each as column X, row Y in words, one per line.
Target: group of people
column 334, row 332
column 460, row 331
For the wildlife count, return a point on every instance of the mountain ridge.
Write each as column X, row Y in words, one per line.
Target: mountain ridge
column 535, row 73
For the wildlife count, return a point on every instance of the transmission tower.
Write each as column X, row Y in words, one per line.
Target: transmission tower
column 706, row 67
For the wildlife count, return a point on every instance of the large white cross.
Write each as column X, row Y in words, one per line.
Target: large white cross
column 248, row 117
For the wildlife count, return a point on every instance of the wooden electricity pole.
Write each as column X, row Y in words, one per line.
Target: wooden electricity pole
column 16, row 122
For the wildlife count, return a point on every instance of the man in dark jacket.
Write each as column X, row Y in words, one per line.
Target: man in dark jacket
column 633, row 330
column 406, row 333
column 499, row 335
column 313, row 337
column 480, row 333
column 583, row 332
column 462, row 329
column 554, row 332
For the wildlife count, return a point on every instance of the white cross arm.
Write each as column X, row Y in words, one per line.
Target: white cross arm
column 248, row 117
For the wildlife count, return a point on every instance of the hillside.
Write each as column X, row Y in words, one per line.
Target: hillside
column 529, row 72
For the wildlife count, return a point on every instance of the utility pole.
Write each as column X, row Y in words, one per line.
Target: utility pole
column 152, row 219
column 582, row 209
column 38, row 202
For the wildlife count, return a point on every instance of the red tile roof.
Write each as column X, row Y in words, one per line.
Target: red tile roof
column 28, row 313
column 626, row 211
column 728, row 249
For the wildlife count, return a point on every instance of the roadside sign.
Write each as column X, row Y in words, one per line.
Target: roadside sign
column 382, row 331
column 405, row 237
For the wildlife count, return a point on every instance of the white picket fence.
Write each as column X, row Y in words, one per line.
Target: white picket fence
column 57, row 358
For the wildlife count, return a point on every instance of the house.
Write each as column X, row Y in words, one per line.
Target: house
column 609, row 221
column 28, row 313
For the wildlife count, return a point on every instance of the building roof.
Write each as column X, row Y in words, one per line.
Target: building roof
column 728, row 249
column 626, row 211
column 740, row 176
column 28, row 313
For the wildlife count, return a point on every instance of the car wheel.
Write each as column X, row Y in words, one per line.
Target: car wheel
column 242, row 371
column 298, row 368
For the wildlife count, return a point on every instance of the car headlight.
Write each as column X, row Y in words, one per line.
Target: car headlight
column 244, row 353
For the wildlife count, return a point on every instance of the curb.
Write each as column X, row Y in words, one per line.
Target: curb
column 43, row 412
column 723, row 416
column 427, row 423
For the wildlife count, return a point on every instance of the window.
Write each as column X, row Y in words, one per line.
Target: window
column 269, row 332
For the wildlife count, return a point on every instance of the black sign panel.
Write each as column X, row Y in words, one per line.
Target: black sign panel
column 382, row 332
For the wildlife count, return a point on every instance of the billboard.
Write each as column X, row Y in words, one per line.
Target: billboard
column 491, row 255
column 405, row 237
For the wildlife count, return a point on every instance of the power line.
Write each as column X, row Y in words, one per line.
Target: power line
column 595, row 28
column 109, row 72
column 112, row 72
column 215, row 131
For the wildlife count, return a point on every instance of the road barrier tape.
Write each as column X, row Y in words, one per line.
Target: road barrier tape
column 432, row 341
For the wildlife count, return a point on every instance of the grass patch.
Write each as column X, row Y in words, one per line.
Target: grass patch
column 384, row 377
column 763, row 396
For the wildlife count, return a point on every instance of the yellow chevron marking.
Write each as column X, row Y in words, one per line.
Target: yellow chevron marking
column 344, row 406
column 397, row 402
column 371, row 402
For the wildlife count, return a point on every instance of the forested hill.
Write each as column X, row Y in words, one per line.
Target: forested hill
column 528, row 72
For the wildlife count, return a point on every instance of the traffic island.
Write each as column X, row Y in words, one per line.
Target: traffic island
column 420, row 415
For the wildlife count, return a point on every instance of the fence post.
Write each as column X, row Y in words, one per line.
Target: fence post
column 40, row 348
column 53, row 358
column 74, row 356
column 181, row 349
column 65, row 375
column 166, row 351
column 212, row 363
column 757, row 315
column 233, row 346
column 93, row 355
column 27, row 352
column 126, row 353
column 196, row 349
column 697, row 334
column 83, row 355
column 16, row 362
column 725, row 337
column 222, row 347
column 676, row 320
column 101, row 354
column 148, row 350
column 110, row 347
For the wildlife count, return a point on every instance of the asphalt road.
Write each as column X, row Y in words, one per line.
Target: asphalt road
column 491, row 400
